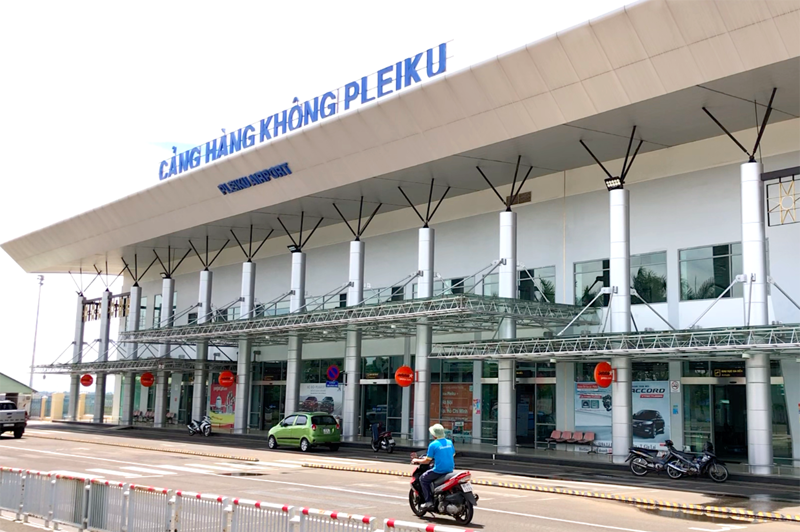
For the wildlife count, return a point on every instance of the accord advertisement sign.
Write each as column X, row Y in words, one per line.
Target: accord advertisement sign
column 651, row 407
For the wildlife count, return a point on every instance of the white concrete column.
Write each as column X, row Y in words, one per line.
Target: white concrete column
column 620, row 277
column 129, row 379
column 199, row 389
column 77, row 350
column 100, row 380
column 422, row 380
column 162, row 377
column 241, row 416
column 405, row 398
column 297, row 300
column 175, row 386
column 506, row 368
column 352, row 357
column 757, row 367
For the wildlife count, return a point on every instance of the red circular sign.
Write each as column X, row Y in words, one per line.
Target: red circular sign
column 404, row 376
column 147, row 379
column 226, row 378
column 603, row 374
column 86, row 380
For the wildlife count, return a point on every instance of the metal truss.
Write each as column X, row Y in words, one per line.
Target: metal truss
column 780, row 341
column 448, row 314
column 178, row 365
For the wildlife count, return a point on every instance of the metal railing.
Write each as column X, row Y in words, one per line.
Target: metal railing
column 111, row 506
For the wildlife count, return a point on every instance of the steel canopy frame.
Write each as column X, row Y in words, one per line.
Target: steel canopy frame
column 448, row 314
column 781, row 341
column 178, row 365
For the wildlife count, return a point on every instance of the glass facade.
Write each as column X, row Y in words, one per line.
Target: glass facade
column 648, row 277
column 707, row 271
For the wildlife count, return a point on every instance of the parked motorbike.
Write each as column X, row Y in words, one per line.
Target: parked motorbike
column 381, row 440
column 452, row 494
column 696, row 465
column 200, row 427
column 643, row 461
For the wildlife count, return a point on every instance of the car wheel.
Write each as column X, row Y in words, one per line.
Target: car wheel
column 334, row 447
column 305, row 446
column 272, row 443
column 19, row 432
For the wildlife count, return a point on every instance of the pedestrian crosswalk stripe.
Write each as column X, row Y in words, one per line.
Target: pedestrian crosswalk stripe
column 348, row 461
column 148, row 470
column 69, row 473
column 262, row 466
column 114, row 473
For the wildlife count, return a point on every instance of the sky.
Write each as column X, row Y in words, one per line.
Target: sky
column 94, row 94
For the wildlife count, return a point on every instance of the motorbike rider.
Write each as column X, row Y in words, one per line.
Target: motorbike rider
column 442, row 453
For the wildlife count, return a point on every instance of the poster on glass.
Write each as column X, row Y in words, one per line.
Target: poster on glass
column 650, row 419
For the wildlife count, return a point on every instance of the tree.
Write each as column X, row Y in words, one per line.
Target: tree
column 650, row 286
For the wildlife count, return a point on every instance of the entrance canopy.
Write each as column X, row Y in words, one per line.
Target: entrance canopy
column 654, row 65
column 736, row 343
column 445, row 315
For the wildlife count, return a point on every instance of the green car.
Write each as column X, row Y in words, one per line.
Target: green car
column 306, row 430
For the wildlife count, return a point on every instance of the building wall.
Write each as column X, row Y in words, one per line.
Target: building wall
column 567, row 222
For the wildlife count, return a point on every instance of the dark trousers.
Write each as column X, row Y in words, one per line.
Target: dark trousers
column 428, row 478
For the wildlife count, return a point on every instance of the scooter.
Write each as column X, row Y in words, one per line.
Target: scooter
column 642, row 460
column 200, row 427
column 452, row 495
column 381, row 440
column 693, row 465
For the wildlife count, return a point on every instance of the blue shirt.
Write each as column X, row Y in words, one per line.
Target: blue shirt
column 443, row 454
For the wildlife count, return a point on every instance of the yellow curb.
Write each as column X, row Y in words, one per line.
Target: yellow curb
column 143, row 448
column 713, row 511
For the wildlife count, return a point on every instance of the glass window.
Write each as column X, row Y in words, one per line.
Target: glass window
column 375, row 367
column 398, row 293
column 490, row 286
column 458, row 371
column 650, row 371
column 584, row 372
column 143, row 313
column 289, row 420
column 649, row 277
column 697, row 422
column 489, row 369
column 323, row 420
column 157, row 311
column 342, row 300
column 538, row 284
column 706, row 272
column 193, row 318
column 781, row 438
column 310, row 371
column 301, row 420
column 590, row 278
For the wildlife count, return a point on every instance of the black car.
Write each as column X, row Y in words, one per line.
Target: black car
column 648, row 423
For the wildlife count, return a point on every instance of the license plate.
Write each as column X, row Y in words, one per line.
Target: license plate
column 466, row 487
column 326, row 431
column 7, row 425
column 391, row 442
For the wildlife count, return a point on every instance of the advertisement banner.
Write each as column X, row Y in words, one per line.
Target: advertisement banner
column 651, row 407
column 223, row 405
column 322, row 397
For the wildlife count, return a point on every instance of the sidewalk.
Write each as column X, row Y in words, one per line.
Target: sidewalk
column 564, row 456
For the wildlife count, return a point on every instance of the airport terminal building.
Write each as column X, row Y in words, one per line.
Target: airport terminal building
column 626, row 191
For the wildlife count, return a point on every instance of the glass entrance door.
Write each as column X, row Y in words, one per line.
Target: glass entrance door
column 375, row 399
column 730, row 420
column 272, row 399
column 536, row 410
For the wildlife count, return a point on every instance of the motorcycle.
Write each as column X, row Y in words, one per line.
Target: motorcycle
column 694, row 465
column 642, row 460
column 200, row 427
column 452, row 494
column 381, row 440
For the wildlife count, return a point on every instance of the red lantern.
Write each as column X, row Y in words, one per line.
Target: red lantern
column 86, row 380
column 147, row 379
column 404, row 376
column 603, row 374
column 227, row 378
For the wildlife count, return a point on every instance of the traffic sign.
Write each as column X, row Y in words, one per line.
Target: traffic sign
column 333, row 372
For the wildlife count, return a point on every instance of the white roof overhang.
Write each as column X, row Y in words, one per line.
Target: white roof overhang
column 654, row 65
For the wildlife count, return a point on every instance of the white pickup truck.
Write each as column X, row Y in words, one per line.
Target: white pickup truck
column 12, row 419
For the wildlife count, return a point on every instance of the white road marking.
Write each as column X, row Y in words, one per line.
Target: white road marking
column 183, row 469
column 112, row 472
column 531, row 480
column 209, row 466
column 532, row 516
column 343, row 461
column 288, row 465
column 148, row 470
column 69, row 473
